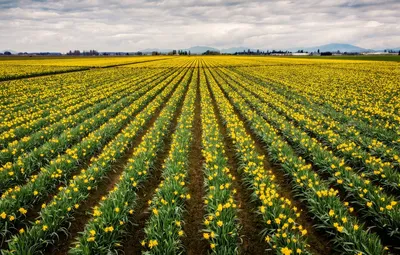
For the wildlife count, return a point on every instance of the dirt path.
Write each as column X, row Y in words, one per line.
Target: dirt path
column 194, row 242
column 136, row 234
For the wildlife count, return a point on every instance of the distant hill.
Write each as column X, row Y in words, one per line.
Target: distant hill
column 200, row 49
column 332, row 47
column 156, row 49
column 236, row 49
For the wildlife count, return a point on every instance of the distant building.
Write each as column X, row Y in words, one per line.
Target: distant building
column 300, row 54
column 278, row 54
column 379, row 53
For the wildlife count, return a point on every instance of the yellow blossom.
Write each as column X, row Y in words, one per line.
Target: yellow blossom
column 286, row 251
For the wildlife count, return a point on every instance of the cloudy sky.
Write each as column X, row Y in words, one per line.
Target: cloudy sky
column 131, row 25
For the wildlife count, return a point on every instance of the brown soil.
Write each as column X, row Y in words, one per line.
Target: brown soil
column 194, row 242
column 251, row 224
column 319, row 243
column 132, row 245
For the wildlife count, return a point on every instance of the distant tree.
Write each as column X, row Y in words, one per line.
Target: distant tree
column 318, row 51
column 174, row 52
column 399, row 52
column 189, row 52
column 7, row 53
column 90, row 53
column 210, row 52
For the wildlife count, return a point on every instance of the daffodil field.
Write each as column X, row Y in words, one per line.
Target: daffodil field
column 199, row 155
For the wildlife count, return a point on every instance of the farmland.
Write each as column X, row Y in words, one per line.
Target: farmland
column 199, row 155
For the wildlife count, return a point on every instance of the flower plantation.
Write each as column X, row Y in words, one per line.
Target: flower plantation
column 294, row 156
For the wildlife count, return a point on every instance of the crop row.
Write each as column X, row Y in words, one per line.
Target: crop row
column 56, row 213
column 78, row 101
column 371, row 167
column 347, row 85
column 97, row 101
column 64, row 165
column 17, row 173
column 370, row 200
column 323, row 202
column 342, row 136
column 367, row 125
column 96, row 236
column 221, row 225
column 165, row 225
column 48, row 91
column 281, row 231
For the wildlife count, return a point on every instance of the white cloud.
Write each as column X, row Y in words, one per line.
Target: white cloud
column 125, row 25
column 373, row 23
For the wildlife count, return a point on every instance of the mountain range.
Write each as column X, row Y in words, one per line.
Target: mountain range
column 237, row 49
column 332, row 47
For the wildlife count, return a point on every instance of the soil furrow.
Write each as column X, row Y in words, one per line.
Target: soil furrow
column 194, row 242
column 135, row 231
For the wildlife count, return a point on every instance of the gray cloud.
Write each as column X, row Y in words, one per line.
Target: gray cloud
column 129, row 25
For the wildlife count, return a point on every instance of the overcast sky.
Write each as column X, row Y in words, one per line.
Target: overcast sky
column 131, row 25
